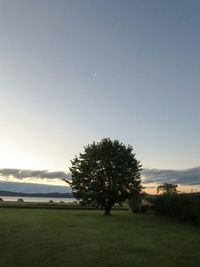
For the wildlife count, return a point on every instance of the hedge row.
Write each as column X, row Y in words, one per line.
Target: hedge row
column 183, row 206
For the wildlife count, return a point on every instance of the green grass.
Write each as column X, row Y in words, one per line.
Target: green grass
column 53, row 205
column 39, row 237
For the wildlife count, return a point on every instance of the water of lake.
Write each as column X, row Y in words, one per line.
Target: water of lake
column 38, row 199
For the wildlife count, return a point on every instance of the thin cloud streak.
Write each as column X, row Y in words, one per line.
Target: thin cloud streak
column 40, row 174
column 185, row 177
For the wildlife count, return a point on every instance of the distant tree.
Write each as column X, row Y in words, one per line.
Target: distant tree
column 167, row 189
column 106, row 173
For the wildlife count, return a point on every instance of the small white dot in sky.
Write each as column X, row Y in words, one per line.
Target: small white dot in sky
column 95, row 74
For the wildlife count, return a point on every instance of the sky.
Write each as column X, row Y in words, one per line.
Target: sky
column 73, row 72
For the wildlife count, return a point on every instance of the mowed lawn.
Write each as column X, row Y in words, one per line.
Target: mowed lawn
column 42, row 237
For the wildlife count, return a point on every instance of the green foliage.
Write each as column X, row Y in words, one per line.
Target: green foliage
column 138, row 202
column 106, row 173
column 167, row 189
column 183, row 206
column 20, row 200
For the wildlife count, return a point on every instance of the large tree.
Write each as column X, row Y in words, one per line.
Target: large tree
column 106, row 173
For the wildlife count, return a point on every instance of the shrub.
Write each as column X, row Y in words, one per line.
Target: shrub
column 183, row 206
column 20, row 200
column 138, row 203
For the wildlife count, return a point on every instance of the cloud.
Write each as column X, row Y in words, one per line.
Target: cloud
column 186, row 177
column 42, row 174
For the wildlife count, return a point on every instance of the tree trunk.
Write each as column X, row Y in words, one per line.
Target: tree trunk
column 107, row 212
column 107, row 207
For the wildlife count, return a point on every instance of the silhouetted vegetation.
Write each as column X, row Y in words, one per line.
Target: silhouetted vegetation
column 20, row 200
column 106, row 173
column 167, row 189
column 185, row 206
column 138, row 202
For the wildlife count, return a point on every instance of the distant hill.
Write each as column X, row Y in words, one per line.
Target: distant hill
column 32, row 188
column 49, row 195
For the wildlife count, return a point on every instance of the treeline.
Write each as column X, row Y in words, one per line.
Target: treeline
column 184, row 206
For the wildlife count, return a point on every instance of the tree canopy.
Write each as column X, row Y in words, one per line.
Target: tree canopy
column 106, row 173
column 167, row 189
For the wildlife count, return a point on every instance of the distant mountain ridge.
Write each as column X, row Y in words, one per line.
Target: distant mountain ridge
column 32, row 188
column 20, row 194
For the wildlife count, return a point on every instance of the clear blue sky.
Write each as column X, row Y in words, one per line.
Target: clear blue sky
column 73, row 72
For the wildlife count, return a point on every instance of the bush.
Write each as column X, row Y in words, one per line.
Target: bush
column 144, row 207
column 1, row 199
column 138, row 203
column 20, row 200
column 183, row 206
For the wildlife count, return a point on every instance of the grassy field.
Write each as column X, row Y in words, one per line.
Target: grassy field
column 53, row 205
column 39, row 237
